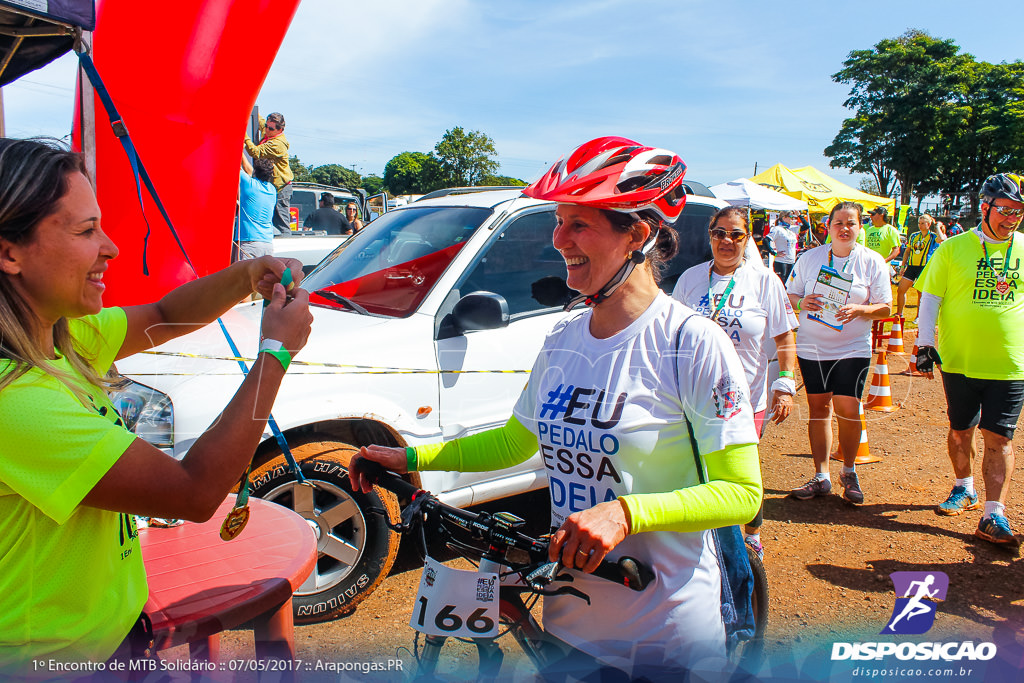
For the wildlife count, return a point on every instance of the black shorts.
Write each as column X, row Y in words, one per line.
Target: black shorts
column 783, row 270
column 992, row 404
column 843, row 377
column 913, row 272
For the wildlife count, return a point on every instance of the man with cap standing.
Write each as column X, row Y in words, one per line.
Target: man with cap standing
column 274, row 145
column 970, row 292
column 882, row 237
column 326, row 218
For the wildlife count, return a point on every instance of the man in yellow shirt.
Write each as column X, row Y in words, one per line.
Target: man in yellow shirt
column 273, row 145
column 972, row 289
column 882, row 237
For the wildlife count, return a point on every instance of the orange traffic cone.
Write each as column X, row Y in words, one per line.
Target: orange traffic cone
column 912, row 368
column 864, row 456
column 896, row 337
column 880, row 395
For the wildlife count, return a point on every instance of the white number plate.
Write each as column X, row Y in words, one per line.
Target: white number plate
column 456, row 602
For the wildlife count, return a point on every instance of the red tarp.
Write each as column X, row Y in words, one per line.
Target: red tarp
column 184, row 79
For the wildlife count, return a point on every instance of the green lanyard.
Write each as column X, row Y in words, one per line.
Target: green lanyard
column 830, row 253
column 725, row 294
column 1000, row 277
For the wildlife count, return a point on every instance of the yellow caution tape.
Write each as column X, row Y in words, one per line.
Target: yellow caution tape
column 350, row 369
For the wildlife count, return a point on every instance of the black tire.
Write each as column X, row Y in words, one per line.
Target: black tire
column 750, row 652
column 760, row 597
column 355, row 547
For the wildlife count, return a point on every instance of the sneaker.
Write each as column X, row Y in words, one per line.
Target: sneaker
column 815, row 487
column 756, row 547
column 958, row 501
column 851, row 488
column 996, row 529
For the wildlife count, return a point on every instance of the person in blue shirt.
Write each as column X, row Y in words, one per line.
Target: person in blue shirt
column 256, row 201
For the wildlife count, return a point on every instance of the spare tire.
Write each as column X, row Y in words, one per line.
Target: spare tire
column 355, row 546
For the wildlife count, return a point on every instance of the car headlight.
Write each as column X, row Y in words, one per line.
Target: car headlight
column 146, row 412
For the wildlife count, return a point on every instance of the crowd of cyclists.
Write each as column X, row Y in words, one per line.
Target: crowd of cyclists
column 673, row 392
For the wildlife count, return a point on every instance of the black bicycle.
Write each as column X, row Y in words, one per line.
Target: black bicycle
column 493, row 542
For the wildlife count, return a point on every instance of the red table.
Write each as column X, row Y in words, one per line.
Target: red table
column 200, row 585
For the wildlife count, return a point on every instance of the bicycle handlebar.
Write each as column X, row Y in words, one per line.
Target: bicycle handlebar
column 626, row 571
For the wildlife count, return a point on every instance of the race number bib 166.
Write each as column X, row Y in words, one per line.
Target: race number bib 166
column 456, row 602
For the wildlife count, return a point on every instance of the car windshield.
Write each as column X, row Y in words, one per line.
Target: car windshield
column 389, row 267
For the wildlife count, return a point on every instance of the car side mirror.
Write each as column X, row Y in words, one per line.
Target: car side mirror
column 480, row 311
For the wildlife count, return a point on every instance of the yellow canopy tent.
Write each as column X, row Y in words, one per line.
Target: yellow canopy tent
column 821, row 192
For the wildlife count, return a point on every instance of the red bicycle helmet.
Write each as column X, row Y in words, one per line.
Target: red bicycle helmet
column 619, row 175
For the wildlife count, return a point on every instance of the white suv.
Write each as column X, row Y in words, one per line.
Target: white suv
column 426, row 325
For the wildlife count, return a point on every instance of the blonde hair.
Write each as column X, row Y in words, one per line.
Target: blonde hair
column 33, row 179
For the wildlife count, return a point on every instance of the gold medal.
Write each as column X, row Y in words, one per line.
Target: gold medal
column 234, row 523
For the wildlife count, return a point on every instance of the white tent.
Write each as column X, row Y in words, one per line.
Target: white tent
column 745, row 192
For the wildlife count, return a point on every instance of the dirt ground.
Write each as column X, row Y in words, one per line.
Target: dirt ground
column 828, row 562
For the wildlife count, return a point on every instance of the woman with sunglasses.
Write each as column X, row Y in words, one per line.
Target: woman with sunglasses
column 631, row 375
column 750, row 303
column 352, row 215
column 837, row 289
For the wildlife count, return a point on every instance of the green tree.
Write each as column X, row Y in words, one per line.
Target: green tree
column 869, row 185
column 905, row 93
column 857, row 149
column 302, row 174
column 336, row 175
column 466, row 157
column 412, row 173
column 373, row 184
column 986, row 134
column 502, row 180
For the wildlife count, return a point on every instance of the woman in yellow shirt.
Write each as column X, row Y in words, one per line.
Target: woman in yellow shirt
column 919, row 249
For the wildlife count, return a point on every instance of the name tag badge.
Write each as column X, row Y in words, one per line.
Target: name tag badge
column 456, row 602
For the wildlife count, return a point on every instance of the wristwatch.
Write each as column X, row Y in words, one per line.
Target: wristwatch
column 277, row 350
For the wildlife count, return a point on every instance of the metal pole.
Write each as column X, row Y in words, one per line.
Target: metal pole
column 87, row 112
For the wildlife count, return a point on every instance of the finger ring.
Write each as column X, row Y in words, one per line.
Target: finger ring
column 581, row 551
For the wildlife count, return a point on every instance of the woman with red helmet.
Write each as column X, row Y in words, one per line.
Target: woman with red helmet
column 641, row 412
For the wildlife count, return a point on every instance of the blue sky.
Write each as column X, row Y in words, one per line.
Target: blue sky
column 724, row 84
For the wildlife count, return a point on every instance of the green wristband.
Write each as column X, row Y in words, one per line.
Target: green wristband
column 277, row 350
column 785, row 373
column 410, row 459
column 282, row 356
column 798, row 304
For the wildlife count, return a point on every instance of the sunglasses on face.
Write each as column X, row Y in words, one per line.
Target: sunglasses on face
column 271, row 128
column 1009, row 211
column 721, row 234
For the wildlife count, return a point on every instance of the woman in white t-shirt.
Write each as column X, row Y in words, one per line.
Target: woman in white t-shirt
column 784, row 239
column 751, row 305
column 837, row 289
column 611, row 402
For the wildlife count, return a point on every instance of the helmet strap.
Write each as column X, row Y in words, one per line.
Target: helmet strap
column 985, row 223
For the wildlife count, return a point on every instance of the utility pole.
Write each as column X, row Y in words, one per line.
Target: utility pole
column 755, row 168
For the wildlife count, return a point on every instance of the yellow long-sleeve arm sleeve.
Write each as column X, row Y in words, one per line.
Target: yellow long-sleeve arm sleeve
column 732, row 495
column 494, row 449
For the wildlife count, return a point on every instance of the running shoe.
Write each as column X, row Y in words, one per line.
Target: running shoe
column 756, row 547
column 815, row 487
column 958, row 501
column 996, row 529
column 851, row 488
